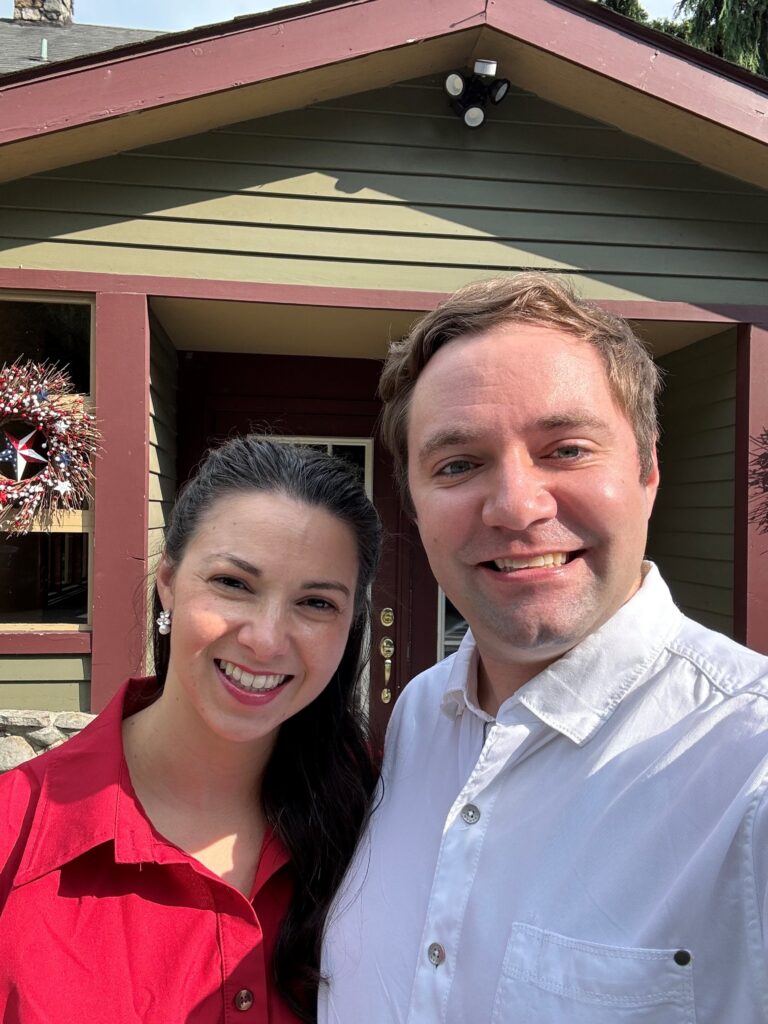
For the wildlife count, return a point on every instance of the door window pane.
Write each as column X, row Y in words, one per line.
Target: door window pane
column 451, row 627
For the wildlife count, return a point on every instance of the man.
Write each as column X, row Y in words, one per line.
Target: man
column 573, row 827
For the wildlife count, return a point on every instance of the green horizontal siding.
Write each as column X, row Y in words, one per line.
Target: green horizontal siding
column 389, row 189
column 691, row 534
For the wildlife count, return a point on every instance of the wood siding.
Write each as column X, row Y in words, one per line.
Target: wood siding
column 162, row 435
column 691, row 534
column 389, row 189
column 45, row 682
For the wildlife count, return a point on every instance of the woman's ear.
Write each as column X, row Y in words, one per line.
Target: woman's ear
column 164, row 579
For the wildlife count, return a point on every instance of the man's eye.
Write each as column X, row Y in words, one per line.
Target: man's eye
column 456, row 468
column 568, row 451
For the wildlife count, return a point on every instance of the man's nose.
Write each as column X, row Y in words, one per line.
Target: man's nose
column 266, row 634
column 519, row 495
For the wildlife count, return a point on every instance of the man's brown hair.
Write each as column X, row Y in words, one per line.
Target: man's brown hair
column 532, row 298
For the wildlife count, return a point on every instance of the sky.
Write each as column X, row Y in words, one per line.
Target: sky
column 171, row 16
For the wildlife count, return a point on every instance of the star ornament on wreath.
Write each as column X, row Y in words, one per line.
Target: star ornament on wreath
column 47, row 444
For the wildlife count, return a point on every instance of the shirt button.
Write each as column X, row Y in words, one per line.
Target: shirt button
column 470, row 813
column 244, row 999
column 682, row 958
column 436, row 954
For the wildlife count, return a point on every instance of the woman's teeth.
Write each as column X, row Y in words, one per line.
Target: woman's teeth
column 248, row 680
column 537, row 562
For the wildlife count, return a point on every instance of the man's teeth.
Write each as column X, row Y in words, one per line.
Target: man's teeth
column 249, row 681
column 553, row 558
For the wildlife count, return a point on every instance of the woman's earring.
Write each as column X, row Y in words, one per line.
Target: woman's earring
column 163, row 621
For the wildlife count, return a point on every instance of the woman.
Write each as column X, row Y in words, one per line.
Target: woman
column 175, row 861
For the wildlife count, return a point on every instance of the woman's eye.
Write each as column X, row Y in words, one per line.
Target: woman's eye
column 230, row 582
column 319, row 603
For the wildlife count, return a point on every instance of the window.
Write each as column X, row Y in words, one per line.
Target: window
column 44, row 577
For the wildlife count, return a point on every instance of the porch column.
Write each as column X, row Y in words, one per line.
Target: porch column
column 750, row 546
column 118, row 593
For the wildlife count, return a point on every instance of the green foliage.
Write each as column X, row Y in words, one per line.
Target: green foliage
column 629, row 8
column 734, row 29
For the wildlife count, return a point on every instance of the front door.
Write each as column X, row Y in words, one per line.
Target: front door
column 329, row 402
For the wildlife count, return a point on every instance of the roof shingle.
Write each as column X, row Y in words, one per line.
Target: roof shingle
column 21, row 42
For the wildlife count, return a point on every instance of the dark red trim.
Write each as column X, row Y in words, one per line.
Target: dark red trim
column 171, row 69
column 120, row 540
column 42, row 642
column 750, row 568
column 173, row 72
column 76, row 281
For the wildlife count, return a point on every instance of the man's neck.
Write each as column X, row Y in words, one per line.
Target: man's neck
column 498, row 681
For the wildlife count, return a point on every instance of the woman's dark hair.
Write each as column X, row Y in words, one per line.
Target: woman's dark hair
column 319, row 780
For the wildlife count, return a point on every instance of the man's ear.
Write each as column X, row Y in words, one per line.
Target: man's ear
column 652, row 481
column 164, row 579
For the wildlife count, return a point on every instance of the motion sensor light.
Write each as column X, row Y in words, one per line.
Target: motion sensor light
column 454, row 84
column 469, row 94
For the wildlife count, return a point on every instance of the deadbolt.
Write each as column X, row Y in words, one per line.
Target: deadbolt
column 387, row 647
column 387, row 617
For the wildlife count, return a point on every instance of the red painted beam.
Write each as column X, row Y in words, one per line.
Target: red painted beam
column 750, row 546
column 121, row 492
column 45, row 642
column 74, row 281
column 637, row 63
column 174, row 71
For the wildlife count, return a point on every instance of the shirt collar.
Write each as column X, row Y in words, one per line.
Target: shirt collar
column 579, row 692
column 87, row 798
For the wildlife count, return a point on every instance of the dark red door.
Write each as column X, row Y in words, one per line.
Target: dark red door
column 222, row 394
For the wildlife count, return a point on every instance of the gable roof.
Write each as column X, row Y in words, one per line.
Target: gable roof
column 21, row 42
column 571, row 52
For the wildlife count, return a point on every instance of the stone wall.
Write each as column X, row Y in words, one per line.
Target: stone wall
column 25, row 734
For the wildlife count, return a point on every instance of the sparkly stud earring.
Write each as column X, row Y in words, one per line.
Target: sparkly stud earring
column 163, row 621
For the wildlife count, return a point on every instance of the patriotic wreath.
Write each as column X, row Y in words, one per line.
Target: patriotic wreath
column 47, row 442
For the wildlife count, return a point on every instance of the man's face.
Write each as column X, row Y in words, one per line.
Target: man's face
column 525, row 478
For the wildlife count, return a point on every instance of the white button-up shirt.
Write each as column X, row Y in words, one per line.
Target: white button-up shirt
column 597, row 854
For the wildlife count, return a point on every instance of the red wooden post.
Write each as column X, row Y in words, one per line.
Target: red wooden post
column 750, row 546
column 122, row 474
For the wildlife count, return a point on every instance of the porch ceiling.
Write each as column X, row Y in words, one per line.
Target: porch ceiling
column 279, row 329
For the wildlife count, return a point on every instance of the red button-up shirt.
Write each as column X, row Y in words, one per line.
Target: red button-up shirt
column 103, row 920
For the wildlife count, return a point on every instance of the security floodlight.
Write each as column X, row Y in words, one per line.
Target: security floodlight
column 469, row 94
column 499, row 90
column 454, row 84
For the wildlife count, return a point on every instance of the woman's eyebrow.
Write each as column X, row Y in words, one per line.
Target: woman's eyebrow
column 325, row 585
column 253, row 570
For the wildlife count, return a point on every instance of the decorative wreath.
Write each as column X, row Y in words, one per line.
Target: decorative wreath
column 47, row 442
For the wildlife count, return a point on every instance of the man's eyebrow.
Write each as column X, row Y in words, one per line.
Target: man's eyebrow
column 253, row 570
column 448, row 438
column 575, row 420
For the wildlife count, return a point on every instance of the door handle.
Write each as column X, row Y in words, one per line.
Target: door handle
column 387, row 649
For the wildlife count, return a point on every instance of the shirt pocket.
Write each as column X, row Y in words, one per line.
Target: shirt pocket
column 548, row 978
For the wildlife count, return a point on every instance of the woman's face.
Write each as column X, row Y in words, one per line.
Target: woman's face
column 262, row 603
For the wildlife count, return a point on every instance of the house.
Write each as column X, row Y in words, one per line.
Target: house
column 222, row 228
